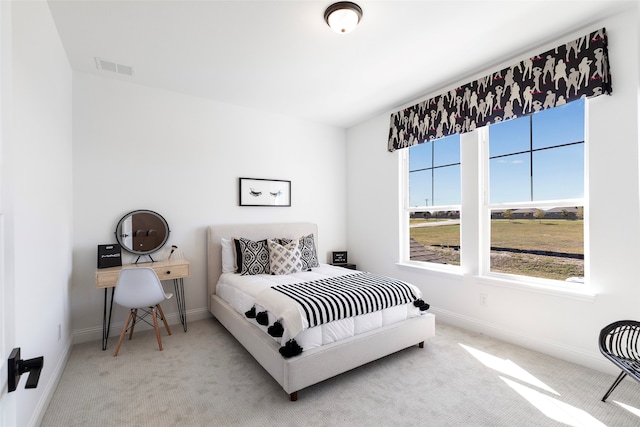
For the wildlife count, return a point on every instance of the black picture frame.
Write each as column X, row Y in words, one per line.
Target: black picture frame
column 264, row 192
column 339, row 257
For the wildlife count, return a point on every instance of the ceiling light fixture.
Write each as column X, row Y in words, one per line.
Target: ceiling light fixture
column 343, row 17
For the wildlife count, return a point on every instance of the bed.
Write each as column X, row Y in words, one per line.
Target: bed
column 317, row 362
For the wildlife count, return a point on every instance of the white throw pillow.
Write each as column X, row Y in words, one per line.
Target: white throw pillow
column 284, row 259
column 308, row 250
column 228, row 256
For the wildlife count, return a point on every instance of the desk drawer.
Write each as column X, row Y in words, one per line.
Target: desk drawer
column 172, row 271
column 107, row 279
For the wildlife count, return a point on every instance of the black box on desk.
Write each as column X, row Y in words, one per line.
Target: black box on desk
column 109, row 255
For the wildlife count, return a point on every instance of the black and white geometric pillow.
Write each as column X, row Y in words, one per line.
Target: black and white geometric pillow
column 284, row 259
column 308, row 250
column 255, row 257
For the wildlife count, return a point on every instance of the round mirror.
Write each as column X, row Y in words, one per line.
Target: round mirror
column 142, row 232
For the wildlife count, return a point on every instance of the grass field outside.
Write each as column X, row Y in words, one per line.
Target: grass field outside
column 544, row 248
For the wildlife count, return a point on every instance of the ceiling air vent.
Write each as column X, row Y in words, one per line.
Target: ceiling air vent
column 112, row 67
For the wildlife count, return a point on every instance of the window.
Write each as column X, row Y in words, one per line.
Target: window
column 536, row 191
column 434, row 201
column 525, row 217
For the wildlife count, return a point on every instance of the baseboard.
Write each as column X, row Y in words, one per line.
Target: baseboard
column 559, row 350
column 50, row 388
column 572, row 354
column 95, row 333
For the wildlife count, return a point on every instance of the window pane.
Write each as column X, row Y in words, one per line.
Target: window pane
column 558, row 173
column 533, row 242
column 424, row 165
column 446, row 186
column 510, row 178
column 420, row 156
column 446, row 150
column 435, row 237
column 560, row 125
column 539, row 242
column 509, row 137
column 420, row 188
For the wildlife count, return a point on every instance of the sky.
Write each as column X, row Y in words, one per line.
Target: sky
column 558, row 173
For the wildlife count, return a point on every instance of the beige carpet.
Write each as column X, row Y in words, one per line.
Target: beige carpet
column 205, row 378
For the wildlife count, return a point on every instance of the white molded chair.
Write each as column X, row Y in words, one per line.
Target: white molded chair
column 140, row 289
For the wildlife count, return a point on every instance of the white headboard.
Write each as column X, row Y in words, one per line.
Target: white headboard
column 248, row 231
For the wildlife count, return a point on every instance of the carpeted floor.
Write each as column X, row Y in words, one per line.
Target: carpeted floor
column 205, row 378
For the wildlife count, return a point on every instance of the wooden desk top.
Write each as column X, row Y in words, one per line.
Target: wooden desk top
column 166, row 270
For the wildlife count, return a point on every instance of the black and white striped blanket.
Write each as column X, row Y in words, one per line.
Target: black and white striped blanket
column 309, row 304
column 336, row 298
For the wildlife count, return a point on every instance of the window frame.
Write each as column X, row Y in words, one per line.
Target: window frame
column 475, row 217
column 407, row 211
column 487, row 207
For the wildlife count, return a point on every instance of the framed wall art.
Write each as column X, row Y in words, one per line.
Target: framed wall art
column 264, row 192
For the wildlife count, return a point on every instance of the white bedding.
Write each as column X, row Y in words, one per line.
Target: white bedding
column 241, row 291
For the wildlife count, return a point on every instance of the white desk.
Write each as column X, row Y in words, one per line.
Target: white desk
column 175, row 270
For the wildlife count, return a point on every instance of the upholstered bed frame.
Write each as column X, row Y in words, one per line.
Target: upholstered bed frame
column 317, row 364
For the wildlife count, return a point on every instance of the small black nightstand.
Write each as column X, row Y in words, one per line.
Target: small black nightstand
column 349, row 266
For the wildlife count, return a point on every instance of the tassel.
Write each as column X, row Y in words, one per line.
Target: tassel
column 262, row 318
column 290, row 349
column 423, row 306
column 251, row 314
column 276, row 330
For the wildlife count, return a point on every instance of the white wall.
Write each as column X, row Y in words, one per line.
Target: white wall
column 563, row 326
column 37, row 201
column 135, row 147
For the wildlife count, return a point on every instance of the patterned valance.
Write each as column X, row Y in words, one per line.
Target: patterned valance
column 575, row 70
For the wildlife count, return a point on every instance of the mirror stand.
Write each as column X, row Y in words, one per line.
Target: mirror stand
column 149, row 255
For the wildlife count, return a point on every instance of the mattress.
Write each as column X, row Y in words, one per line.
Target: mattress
column 240, row 292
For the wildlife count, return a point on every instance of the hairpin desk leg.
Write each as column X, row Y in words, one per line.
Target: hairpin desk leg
column 178, row 285
column 106, row 321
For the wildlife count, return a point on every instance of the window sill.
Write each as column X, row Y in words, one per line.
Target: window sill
column 540, row 287
column 432, row 267
column 553, row 288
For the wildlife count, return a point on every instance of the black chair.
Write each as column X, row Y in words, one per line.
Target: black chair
column 620, row 343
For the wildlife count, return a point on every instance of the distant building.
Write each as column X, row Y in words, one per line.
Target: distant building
column 570, row 212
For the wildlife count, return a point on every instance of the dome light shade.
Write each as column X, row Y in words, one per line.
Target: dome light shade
column 343, row 17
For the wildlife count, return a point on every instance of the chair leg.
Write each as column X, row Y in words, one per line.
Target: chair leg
column 133, row 324
column 155, row 325
column 124, row 331
column 614, row 385
column 166, row 325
